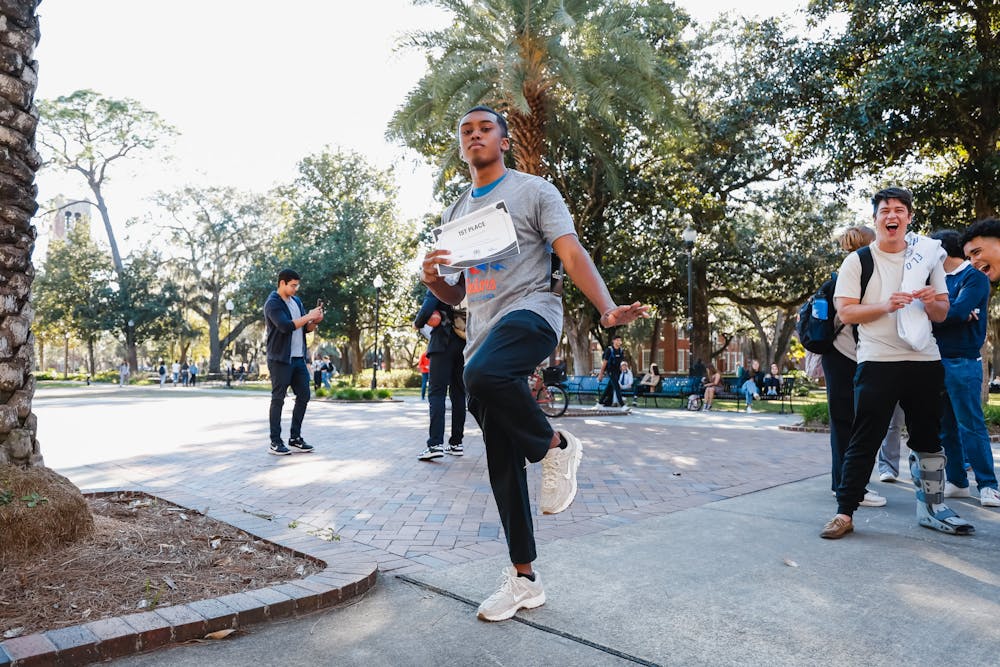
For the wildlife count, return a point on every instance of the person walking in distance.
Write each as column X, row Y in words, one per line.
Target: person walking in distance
column 287, row 322
column 445, row 351
column 898, row 362
column 613, row 358
column 515, row 318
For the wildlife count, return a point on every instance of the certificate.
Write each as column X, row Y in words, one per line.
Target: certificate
column 483, row 236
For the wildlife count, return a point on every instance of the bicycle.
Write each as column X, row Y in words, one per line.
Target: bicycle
column 548, row 390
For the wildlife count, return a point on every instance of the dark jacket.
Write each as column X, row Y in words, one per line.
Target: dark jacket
column 280, row 328
column 442, row 334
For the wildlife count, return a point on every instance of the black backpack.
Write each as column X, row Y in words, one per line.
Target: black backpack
column 817, row 335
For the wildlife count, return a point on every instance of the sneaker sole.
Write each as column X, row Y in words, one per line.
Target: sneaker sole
column 456, row 453
column 574, row 467
column 431, row 457
column 271, row 451
column 301, row 451
column 877, row 503
column 530, row 603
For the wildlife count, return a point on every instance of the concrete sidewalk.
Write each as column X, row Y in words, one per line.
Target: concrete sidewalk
column 693, row 541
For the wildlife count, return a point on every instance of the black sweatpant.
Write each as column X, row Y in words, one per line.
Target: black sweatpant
column 878, row 385
column 839, row 372
column 514, row 427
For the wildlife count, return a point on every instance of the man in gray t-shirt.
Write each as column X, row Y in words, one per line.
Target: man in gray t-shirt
column 515, row 322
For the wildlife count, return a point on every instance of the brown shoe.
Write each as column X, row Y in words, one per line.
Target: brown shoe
column 836, row 528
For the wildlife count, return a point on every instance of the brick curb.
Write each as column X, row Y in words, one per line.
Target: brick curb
column 349, row 571
column 799, row 428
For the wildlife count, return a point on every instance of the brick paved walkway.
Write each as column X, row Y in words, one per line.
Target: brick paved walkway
column 365, row 481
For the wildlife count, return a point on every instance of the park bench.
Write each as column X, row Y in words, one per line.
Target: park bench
column 582, row 386
column 784, row 394
column 672, row 387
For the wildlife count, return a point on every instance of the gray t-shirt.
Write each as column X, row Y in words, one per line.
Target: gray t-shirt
column 521, row 282
column 298, row 336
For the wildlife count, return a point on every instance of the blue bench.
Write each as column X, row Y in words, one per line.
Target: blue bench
column 672, row 386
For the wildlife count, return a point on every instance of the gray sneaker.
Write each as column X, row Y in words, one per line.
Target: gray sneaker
column 432, row 452
column 514, row 593
column 559, row 475
column 456, row 450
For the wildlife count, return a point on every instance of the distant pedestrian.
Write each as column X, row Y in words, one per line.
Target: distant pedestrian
column 425, row 371
column 287, row 322
column 123, row 373
column 162, row 371
column 447, row 363
column 193, row 370
column 613, row 358
column 175, row 371
column 185, row 373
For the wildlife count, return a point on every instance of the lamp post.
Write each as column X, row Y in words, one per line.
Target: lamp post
column 66, row 358
column 689, row 236
column 378, row 291
column 229, row 367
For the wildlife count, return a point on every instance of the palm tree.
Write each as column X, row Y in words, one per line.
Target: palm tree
column 55, row 511
column 610, row 61
column 20, row 161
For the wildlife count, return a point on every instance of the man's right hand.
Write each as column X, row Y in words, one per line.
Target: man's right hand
column 316, row 314
column 429, row 266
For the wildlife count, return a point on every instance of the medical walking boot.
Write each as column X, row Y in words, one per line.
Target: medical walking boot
column 927, row 471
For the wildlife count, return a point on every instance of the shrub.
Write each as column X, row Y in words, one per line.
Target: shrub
column 383, row 393
column 349, row 394
column 803, row 383
column 368, row 394
column 992, row 414
column 815, row 413
column 320, row 393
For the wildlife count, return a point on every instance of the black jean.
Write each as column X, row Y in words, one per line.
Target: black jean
column 283, row 376
column 839, row 372
column 446, row 378
column 514, row 427
column 918, row 387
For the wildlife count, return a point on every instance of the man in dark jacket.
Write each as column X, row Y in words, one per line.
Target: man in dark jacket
column 446, row 351
column 287, row 322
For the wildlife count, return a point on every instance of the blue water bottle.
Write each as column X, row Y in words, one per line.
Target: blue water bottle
column 820, row 309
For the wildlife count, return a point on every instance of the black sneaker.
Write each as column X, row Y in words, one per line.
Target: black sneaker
column 432, row 452
column 278, row 449
column 299, row 445
column 455, row 450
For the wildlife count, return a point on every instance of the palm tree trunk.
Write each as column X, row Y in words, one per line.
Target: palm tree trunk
column 20, row 161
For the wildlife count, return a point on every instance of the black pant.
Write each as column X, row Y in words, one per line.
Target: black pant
column 446, row 377
column 917, row 386
column 317, row 379
column 612, row 391
column 283, row 376
column 839, row 373
column 514, row 427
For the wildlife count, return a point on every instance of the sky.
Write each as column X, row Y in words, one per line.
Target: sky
column 252, row 87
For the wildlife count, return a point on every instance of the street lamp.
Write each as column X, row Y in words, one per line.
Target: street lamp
column 378, row 290
column 689, row 236
column 66, row 358
column 229, row 367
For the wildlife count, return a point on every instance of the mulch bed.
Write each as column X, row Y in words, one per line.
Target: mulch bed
column 144, row 553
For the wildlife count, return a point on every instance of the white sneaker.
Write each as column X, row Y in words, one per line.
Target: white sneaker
column 749, row 410
column 989, row 497
column 952, row 491
column 514, row 593
column 887, row 477
column 559, row 475
column 873, row 499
